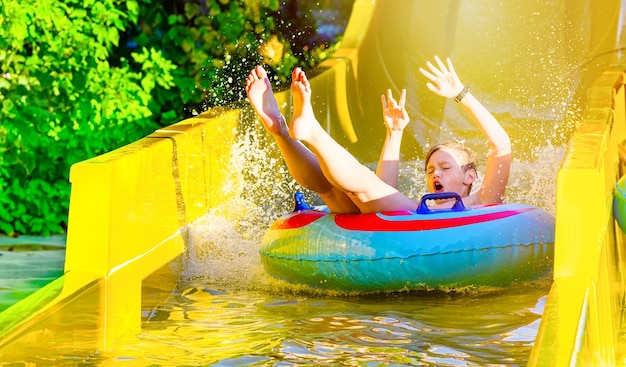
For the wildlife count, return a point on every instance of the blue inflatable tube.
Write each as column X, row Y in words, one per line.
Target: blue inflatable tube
column 494, row 245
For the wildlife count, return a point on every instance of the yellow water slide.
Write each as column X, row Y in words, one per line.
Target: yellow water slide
column 550, row 71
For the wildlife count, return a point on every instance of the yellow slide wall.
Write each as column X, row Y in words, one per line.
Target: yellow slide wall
column 128, row 214
column 582, row 318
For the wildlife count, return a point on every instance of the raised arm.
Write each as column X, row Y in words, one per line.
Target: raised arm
column 446, row 83
column 396, row 118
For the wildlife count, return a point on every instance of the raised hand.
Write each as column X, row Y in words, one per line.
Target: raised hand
column 443, row 79
column 394, row 113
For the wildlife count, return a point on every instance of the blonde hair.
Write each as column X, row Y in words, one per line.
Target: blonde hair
column 460, row 150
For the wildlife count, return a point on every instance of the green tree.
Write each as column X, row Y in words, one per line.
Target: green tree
column 81, row 78
column 61, row 101
column 215, row 43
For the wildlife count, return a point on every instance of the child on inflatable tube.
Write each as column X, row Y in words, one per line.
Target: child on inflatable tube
column 347, row 186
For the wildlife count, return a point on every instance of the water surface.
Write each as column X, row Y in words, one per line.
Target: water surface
column 205, row 324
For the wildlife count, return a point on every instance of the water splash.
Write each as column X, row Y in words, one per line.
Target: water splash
column 224, row 245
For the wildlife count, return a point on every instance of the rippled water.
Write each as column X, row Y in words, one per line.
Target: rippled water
column 204, row 324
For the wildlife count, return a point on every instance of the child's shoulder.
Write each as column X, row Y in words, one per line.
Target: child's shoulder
column 472, row 200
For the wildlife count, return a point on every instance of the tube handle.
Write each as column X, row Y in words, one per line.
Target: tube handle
column 457, row 207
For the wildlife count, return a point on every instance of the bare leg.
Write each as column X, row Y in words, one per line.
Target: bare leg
column 301, row 162
column 340, row 167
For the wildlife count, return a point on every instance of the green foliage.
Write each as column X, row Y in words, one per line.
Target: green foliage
column 79, row 78
column 61, row 101
column 215, row 43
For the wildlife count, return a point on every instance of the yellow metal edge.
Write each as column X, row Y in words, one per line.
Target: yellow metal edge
column 583, row 312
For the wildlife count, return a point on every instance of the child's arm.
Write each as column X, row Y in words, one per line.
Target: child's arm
column 396, row 118
column 499, row 158
column 446, row 83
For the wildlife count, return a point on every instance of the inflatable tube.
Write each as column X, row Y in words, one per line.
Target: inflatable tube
column 493, row 245
column 619, row 203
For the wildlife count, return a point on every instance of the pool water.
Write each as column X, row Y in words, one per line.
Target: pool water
column 25, row 268
column 203, row 323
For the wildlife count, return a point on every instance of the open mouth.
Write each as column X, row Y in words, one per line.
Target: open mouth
column 437, row 186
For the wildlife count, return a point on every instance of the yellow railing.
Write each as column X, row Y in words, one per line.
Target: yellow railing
column 129, row 211
column 582, row 316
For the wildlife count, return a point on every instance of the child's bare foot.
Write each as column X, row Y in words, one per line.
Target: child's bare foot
column 261, row 97
column 303, row 121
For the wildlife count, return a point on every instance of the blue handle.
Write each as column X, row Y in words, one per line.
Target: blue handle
column 300, row 203
column 457, row 207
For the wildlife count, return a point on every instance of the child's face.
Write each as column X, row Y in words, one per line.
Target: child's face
column 444, row 172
